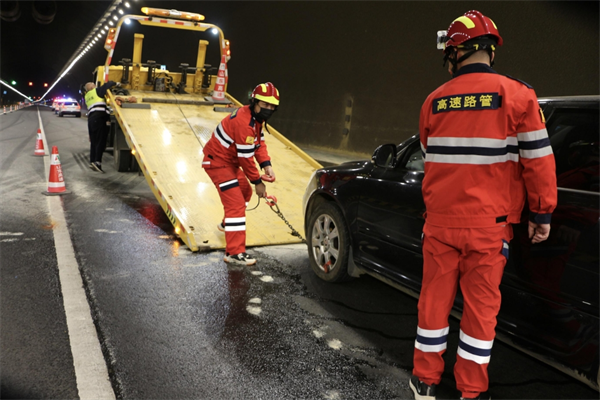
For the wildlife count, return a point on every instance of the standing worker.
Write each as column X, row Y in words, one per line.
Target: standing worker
column 235, row 143
column 486, row 149
column 98, row 117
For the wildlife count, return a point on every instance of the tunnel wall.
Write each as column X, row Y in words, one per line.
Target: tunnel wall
column 378, row 57
column 381, row 58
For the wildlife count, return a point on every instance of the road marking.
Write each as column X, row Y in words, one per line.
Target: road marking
column 254, row 310
column 91, row 373
column 335, row 344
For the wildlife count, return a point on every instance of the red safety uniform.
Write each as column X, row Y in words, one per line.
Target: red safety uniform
column 236, row 142
column 486, row 148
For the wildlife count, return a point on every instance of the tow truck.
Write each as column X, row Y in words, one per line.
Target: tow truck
column 174, row 114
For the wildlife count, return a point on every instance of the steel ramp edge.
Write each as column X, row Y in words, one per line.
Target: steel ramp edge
column 170, row 156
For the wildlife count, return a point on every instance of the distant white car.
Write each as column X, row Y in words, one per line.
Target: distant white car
column 69, row 107
column 55, row 105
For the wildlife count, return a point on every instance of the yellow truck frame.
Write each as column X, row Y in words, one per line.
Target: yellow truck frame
column 166, row 133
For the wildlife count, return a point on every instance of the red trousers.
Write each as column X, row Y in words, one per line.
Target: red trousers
column 235, row 191
column 475, row 259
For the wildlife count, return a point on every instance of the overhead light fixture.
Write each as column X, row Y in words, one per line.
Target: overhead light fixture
column 127, row 21
column 120, row 11
column 115, row 18
column 126, row 4
column 110, row 23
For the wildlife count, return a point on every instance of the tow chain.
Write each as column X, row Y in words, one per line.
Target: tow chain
column 272, row 202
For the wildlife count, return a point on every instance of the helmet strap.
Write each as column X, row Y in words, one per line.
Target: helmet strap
column 471, row 50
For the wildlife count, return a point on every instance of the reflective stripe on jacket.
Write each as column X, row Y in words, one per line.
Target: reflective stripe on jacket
column 237, row 141
column 485, row 147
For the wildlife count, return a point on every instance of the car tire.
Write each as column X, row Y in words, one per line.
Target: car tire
column 328, row 243
column 60, row 114
column 78, row 115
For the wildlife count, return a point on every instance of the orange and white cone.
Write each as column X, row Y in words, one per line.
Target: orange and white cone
column 39, row 145
column 56, row 183
column 219, row 92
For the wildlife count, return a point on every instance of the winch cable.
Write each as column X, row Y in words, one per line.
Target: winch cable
column 186, row 120
column 272, row 202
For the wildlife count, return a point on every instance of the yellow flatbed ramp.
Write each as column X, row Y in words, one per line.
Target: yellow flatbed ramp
column 167, row 139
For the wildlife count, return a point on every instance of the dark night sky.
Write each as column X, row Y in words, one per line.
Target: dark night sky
column 381, row 55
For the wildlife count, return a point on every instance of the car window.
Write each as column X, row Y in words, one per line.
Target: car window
column 414, row 158
column 574, row 136
column 70, row 103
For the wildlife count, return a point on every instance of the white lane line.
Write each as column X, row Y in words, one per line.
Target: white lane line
column 46, row 149
column 91, row 373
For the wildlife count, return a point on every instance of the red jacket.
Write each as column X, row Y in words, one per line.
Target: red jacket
column 485, row 147
column 236, row 142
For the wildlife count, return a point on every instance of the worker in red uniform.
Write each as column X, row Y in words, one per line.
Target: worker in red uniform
column 485, row 148
column 229, row 162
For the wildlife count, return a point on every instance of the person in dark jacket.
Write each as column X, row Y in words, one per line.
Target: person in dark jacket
column 98, row 121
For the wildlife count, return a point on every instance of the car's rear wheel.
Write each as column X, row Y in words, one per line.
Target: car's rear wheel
column 328, row 243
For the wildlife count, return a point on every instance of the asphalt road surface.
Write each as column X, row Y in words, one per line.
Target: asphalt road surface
column 172, row 324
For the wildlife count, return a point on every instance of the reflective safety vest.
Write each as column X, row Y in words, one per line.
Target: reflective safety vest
column 94, row 102
column 486, row 148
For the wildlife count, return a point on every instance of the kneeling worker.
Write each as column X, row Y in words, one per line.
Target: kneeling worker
column 235, row 143
column 98, row 116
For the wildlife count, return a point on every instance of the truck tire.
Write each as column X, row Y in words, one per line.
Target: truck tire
column 122, row 158
column 121, row 152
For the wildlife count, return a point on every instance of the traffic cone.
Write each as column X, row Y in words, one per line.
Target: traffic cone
column 39, row 145
column 56, row 183
column 219, row 92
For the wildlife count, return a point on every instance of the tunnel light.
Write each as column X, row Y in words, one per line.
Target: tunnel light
column 110, row 23
column 115, row 18
column 126, row 4
column 120, row 11
column 106, row 27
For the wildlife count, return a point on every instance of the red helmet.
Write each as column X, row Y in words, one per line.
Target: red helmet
column 266, row 92
column 469, row 26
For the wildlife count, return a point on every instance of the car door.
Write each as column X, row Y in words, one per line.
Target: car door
column 390, row 217
column 558, row 279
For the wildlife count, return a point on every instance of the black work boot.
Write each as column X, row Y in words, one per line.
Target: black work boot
column 421, row 390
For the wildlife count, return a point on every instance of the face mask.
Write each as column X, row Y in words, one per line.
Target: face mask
column 264, row 114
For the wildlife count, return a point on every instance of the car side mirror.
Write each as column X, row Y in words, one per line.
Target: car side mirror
column 384, row 156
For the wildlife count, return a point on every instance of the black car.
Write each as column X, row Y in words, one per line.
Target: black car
column 366, row 217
